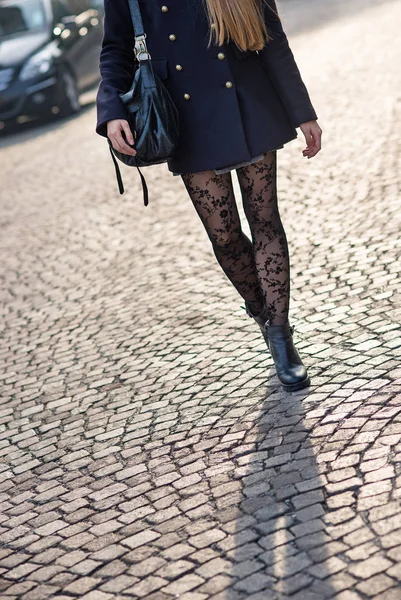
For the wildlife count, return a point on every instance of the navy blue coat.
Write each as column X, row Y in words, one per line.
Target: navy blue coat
column 232, row 105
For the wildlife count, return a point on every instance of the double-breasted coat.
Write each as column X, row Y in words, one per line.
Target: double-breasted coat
column 233, row 105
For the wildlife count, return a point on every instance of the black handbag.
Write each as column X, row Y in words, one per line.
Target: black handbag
column 152, row 114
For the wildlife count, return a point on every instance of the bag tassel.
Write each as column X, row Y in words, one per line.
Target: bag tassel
column 118, row 173
column 120, row 180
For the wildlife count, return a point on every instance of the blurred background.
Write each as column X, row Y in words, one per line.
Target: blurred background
column 49, row 55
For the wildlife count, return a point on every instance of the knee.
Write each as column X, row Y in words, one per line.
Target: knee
column 268, row 218
column 223, row 240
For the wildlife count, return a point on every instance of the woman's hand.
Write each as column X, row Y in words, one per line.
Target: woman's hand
column 313, row 138
column 117, row 130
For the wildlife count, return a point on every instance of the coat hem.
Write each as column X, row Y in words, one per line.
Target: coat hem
column 208, row 167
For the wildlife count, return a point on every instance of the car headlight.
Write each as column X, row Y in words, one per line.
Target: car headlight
column 39, row 64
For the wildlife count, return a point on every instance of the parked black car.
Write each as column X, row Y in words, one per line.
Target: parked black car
column 49, row 53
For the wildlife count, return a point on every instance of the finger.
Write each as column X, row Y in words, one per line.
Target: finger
column 113, row 141
column 310, row 145
column 125, row 149
column 314, row 144
column 314, row 151
column 128, row 133
column 122, row 146
column 311, row 152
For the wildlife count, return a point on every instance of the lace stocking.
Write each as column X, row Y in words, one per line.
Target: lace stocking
column 259, row 195
column 259, row 270
column 214, row 201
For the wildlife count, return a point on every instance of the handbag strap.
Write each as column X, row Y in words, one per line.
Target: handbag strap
column 141, row 51
column 136, row 17
column 120, row 179
column 117, row 169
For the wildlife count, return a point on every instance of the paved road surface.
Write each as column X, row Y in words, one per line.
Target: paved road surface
column 147, row 448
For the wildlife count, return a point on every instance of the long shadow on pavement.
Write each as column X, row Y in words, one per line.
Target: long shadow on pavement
column 279, row 534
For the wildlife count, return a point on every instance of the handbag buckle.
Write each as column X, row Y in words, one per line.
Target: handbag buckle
column 141, row 50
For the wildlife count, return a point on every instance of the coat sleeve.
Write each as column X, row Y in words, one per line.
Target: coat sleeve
column 116, row 63
column 283, row 70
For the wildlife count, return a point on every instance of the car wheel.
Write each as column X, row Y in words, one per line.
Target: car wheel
column 69, row 102
column 6, row 126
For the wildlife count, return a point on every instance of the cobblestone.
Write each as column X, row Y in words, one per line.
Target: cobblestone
column 147, row 448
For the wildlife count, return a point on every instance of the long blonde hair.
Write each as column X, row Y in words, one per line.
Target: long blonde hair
column 238, row 21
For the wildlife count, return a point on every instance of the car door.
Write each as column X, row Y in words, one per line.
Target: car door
column 66, row 32
column 82, row 40
column 90, row 30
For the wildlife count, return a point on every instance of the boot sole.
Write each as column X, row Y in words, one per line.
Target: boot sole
column 293, row 387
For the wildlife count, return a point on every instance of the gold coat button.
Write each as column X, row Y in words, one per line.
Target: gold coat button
column 164, row 8
column 187, row 96
column 221, row 56
column 229, row 84
column 172, row 37
column 178, row 67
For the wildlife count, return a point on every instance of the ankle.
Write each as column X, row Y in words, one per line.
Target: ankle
column 280, row 323
column 254, row 309
column 279, row 331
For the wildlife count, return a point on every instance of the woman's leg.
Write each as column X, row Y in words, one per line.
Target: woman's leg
column 214, row 201
column 260, row 272
column 259, row 196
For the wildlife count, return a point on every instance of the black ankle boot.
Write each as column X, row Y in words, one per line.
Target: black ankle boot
column 289, row 366
column 260, row 319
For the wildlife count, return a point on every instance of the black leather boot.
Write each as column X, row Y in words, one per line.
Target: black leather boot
column 289, row 367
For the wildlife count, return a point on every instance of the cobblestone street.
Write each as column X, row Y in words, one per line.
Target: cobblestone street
column 147, row 448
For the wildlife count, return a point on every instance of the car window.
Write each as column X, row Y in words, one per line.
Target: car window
column 20, row 16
